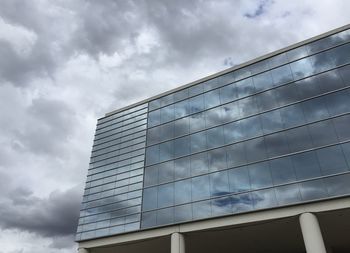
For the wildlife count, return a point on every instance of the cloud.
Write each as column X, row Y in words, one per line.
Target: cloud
column 54, row 216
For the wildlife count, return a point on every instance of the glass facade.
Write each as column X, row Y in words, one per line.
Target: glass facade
column 270, row 134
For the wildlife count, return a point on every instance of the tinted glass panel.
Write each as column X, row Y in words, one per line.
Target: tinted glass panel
column 183, row 191
column 183, row 213
column 236, row 155
column 219, row 183
column 299, row 139
column 302, row 68
column 282, row 170
column 200, row 188
column 166, row 151
column 292, row 116
column 271, row 121
column 263, row 81
column 230, row 112
column 288, row 194
column 182, row 109
column 313, row 190
column 338, row 102
column 297, row 53
column 323, row 133
column 281, row 75
column 228, row 93
column 264, row 199
column 166, row 172
column 212, row 98
column 165, row 195
column 182, row 127
column 154, row 118
column 199, row 164
column 198, row 142
column 167, row 114
column 338, row 185
column 315, row 109
column 217, row 159
column 245, row 87
column 213, row 117
column 182, row 146
column 260, row 175
column 197, row 122
column 341, row 54
column 242, row 202
column 306, row 165
column 149, row 198
column 332, row 160
column 276, row 144
column 255, row 150
column 197, row 104
column 239, row 179
column 342, row 127
column 182, row 168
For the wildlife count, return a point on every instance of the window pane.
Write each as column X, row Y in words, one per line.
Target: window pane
column 150, row 198
column 228, row 93
column 221, row 206
column 245, row 87
column 166, row 151
column 276, row 144
column 149, row 219
column 201, row 210
column 248, row 106
column 314, row 189
column 298, row 139
column 197, row 122
column 323, row 133
column 264, row 199
column 322, row 61
column 182, row 168
column 315, row 109
column 297, row 53
column 242, row 202
column 345, row 74
column 167, row 114
column 292, row 116
column 155, row 104
column 255, row 150
column 302, row 68
column 196, row 89
column 211, row 84
column 282, row 170
column 214, row 117
column 306, row 165
column 198, row 142
column 342, row 127
column 197, row 104
column 271, row 121
column 329, row 81
column 278, row 60
column 282, row 75
column 250, row 127
column 166, row 172
column 182, row 191
column 239, row 179
column 199, row 164
column 338, row 185
column 200, row 188
column 166, row 131
column 341, row 54
column 242, row 73
column 288, row 194
column 165, row 195
column 215, row 137
column 235, row 155
column 287, row 94
column 182, row 127
column 338, row 102
column 182, row 146
column 154, row 118
column 227, row 78
column 309, row 87
column 259, row 66
column 151, row 175
column 346, row 150
column 153, row 135
column 183, row 213
column 165, row 216
column 182, row 94
column 230, row 112
column 263, row 81
column 260, row 175
column 219, row 183
column 232, row 132
column 182, row 109
column 152, row 155
column 212, row 98
column 332, row 160
column 266, row 100
column 217, row 159
column 168, row 99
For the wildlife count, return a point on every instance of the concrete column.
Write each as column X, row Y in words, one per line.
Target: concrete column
column 177, row 243
column 83, row 250
column 311, row 233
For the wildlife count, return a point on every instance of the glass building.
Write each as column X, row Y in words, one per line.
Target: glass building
column 266, row 134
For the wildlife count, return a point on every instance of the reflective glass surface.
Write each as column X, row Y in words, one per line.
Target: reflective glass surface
column 269, row 134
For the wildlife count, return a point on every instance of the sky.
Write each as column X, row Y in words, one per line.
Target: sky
column 63, row 64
